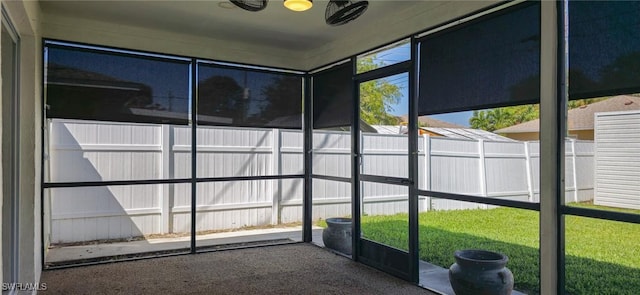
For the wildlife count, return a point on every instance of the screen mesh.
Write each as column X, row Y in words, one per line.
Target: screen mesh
column 604, row 48
column 249, row 98
column 333, row 97
column 94, row 84
column 490, row 62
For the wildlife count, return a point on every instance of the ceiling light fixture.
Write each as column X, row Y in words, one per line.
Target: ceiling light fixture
column 298, row 5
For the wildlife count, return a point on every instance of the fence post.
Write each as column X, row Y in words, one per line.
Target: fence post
column 275, row 165
column 483, row 170
column 575, row 172
column 166, row 190
column 527, row 157
column 360, row 167
column 427, row 169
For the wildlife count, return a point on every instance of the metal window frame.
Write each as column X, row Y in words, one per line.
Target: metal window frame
column 553, row 129
column 362, row 248
column 193, row 180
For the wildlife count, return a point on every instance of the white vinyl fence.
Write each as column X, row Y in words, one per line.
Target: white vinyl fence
column 509, row 170
column 97, row 151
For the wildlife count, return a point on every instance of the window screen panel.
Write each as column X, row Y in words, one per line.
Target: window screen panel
column 490, row 62
column 333, row 97
column 604, row 48
column 104, row 85
column 248, row 98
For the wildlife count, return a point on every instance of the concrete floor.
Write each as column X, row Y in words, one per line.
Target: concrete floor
column 284, row 269
column 432, row 277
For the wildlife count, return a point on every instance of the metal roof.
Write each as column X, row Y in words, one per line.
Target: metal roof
column 461, row 133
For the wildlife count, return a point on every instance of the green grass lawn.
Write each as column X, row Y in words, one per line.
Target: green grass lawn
column 602, row 257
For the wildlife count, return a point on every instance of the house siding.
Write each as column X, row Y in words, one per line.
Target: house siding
column 533, row 136
column 581, row 134
column 524, row 136
column 617, row 159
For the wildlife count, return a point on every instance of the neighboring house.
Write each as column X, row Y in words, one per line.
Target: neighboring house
column 73, row 91
column 579, row 120
column 426, row 121
column 617, row 174
column 364, row 127
column 423, row 121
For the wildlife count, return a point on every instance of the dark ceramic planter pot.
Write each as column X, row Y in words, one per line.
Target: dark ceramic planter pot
column 337, row 235
column 479, row 272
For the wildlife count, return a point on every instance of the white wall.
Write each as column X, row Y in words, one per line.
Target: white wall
column 25, row 16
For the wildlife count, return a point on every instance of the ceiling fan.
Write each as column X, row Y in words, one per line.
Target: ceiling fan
column 250, row 5
column 341, row 12
column 338, row 12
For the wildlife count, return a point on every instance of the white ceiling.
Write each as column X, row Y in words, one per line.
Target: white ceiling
column 273, row 27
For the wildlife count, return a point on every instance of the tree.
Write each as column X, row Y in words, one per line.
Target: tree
column 501, row 118
column 377, row 97
column 494, row 119
column 479, row 120
column 524, row 113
